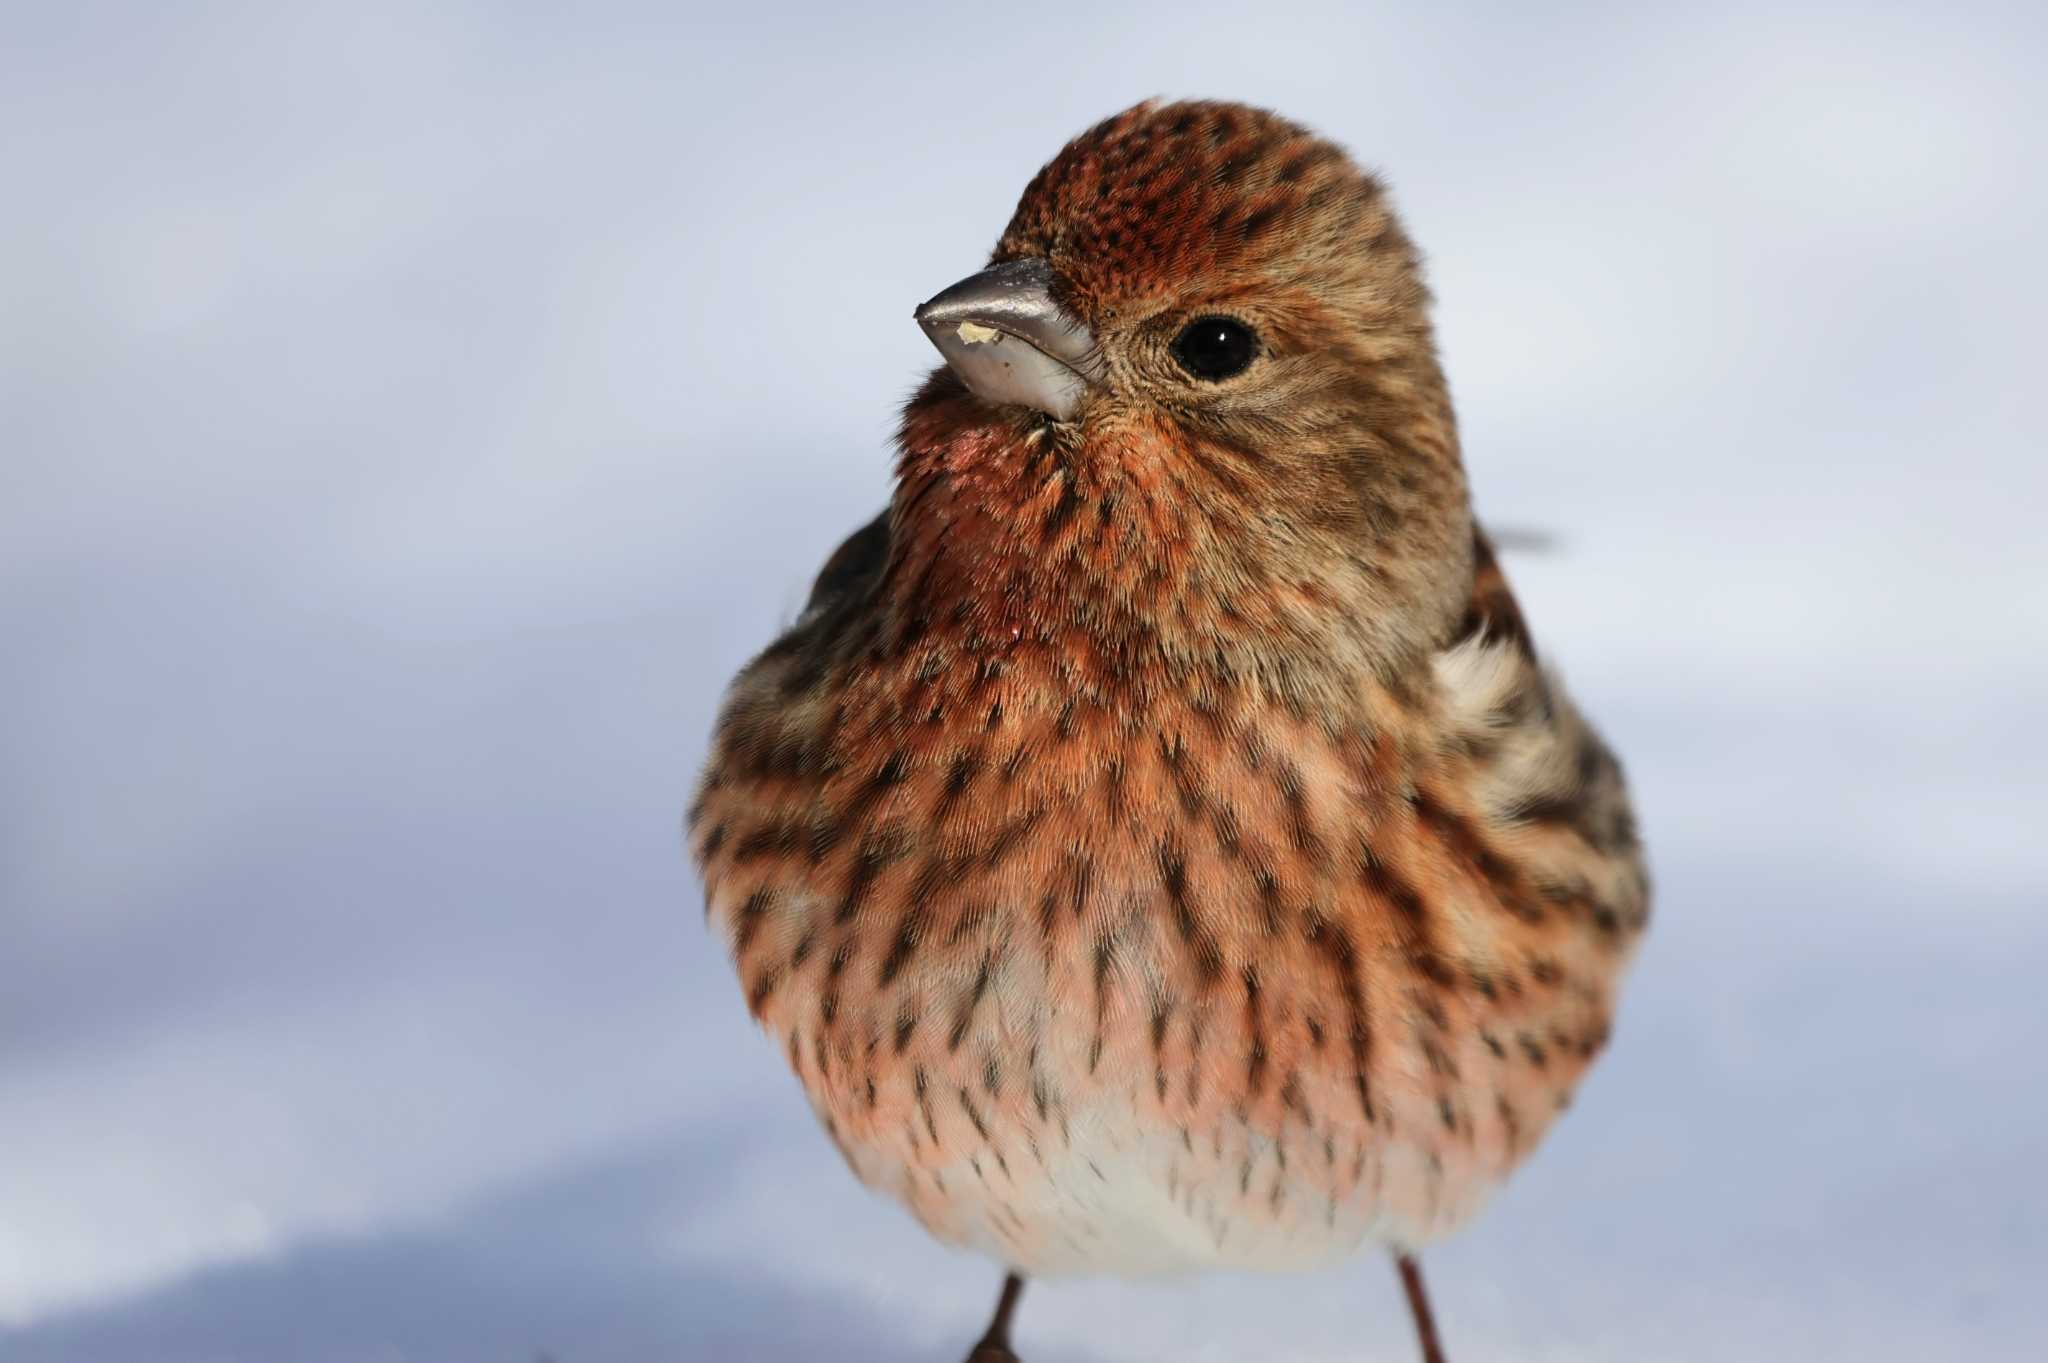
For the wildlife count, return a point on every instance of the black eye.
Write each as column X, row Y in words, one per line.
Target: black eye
column 1215, row 348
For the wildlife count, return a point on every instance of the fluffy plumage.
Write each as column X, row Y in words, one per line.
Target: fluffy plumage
column 1157, row 844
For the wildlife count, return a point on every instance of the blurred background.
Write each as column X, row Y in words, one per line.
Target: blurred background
column 412, row 415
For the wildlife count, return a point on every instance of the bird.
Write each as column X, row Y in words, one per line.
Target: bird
column 1157, row 844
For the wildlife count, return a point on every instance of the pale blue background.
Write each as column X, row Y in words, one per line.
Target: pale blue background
column 412, row 414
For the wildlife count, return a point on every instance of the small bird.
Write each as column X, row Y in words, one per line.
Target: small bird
column 1157, row 845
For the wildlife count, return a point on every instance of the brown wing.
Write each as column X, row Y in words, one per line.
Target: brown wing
column 853, row 567
column 1492, row 609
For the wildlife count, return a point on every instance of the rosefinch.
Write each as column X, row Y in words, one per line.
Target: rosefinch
column 1157, row 845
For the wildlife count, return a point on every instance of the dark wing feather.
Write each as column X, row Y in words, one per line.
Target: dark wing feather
column 852, row 569
column 1492, row 608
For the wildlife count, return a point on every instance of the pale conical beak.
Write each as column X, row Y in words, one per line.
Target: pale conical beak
column 1009, row 341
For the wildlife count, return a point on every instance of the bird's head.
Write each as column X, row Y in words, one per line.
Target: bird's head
column 1206, row 323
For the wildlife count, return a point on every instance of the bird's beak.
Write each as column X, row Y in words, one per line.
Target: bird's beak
column 1010, row 341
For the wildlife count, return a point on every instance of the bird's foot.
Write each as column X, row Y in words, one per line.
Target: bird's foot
column 994, row 1345
column 987, row 1352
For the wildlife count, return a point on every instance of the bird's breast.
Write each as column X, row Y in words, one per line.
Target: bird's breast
column 993, row 928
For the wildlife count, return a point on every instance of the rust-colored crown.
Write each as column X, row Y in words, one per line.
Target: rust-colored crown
column 1165, row 193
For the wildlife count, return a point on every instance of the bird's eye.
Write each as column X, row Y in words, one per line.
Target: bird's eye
column 1215, row 348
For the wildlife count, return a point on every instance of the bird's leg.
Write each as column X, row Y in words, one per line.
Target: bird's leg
column 995, row 1341
column 1418, row 1306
